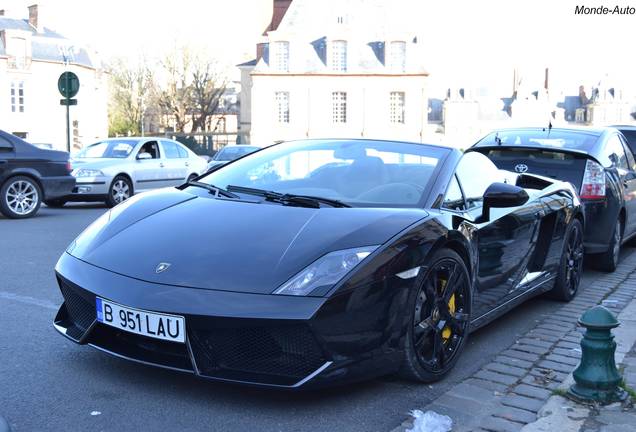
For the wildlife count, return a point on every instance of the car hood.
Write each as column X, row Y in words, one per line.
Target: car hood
column 227, row 245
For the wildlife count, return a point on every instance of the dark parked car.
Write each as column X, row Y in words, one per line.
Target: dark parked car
column 598, row 162
column 30, row 175
column 345, row 259
column 230, row 153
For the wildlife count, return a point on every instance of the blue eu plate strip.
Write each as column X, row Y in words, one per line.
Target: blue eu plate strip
column 100, row 314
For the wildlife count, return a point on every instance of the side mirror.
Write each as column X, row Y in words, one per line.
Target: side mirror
column 144, row 155
column 502, row 195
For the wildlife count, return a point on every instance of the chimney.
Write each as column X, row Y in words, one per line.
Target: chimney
column 35, row 19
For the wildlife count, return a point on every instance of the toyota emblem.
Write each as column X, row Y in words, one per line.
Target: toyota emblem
column 162, row 267
column 521, row 168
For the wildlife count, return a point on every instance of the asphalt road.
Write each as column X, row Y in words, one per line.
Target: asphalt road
column 48, row 383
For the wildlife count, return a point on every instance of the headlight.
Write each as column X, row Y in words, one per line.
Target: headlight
column 326, row 270
column 83, row 172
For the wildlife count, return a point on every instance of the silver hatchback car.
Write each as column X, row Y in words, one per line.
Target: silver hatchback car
column 114, row 169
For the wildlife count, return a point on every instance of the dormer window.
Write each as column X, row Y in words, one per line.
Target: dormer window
column 338, row 55
column 281, row 56
column 17, row 50
column 397, row 56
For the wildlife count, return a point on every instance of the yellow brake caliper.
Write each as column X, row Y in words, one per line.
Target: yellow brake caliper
column 446, row 332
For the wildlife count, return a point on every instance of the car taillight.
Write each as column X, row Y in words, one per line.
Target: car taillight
column 593, row 186
column 69, row 168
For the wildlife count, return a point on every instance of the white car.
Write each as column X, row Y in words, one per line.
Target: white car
column 114, row 169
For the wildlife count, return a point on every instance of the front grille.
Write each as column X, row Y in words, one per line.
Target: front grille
column 141, row 348
column 79, row 305
column 276, row 355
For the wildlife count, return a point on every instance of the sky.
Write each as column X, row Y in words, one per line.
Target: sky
column 465, row 41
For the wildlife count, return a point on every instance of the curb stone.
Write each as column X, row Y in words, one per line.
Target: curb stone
column 521, row 394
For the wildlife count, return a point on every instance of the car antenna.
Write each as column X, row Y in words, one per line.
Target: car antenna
column 549, row 128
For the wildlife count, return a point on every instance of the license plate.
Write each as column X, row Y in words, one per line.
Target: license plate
column 141, row 322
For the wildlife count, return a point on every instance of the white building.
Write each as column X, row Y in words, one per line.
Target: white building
column 336, row 68
column 32, row 57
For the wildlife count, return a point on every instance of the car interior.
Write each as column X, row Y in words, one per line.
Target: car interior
column 152, row 148
column 365, row 179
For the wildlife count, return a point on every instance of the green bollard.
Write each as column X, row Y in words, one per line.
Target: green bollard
column 596, row 376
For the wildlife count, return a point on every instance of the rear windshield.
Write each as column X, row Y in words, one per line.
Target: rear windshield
column 549, row 163
column 556, row 139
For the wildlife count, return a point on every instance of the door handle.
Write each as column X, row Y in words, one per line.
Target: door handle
column 187, row 163
column 161, row 164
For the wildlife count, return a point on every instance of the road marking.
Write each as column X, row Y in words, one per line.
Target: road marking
column 28, row 300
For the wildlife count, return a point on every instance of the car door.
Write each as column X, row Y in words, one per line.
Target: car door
column 149, row 173
column 627, row 172
column 506, row 241
column 176, row 169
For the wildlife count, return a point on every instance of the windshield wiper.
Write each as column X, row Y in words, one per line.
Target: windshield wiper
column 304, row 200
column 217, row 191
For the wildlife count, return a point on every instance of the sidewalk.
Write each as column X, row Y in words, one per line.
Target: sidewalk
column 563, row 415
column 519, row 389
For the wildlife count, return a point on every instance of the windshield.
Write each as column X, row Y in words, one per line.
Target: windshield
column 557, row 139
column 358, row 173
column 233, row 152
column 108, row 149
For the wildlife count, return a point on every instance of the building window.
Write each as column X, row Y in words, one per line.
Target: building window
column 397, row 56
column 281, row 56
column 339, row 107
column 282, row 107
column 339, row 56
column 396, row 110
column 17, row 96
column 17, row 50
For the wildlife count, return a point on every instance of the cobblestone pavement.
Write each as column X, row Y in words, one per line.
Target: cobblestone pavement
column 508, row 393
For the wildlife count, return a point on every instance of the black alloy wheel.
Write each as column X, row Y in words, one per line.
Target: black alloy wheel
column 440, row 322
column 571, row 265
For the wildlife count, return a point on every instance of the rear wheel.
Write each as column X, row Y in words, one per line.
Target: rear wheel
column 608, row 261
column 120, row 190
column 20, row 197
column 440, row 317
column 571, row 264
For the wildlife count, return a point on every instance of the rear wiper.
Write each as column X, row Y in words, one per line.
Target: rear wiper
column 304, row 200
column 217, row 191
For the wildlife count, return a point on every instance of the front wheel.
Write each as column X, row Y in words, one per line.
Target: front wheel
column 439, row 310
column 120, row 190
column 571, row 265
column 20, row 197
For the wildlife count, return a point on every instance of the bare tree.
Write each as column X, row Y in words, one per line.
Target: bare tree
column 130, row 86
column 192, row 90
column 173, row 97
column 206, row 92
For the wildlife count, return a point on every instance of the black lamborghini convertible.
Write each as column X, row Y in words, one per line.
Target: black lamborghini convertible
column 320, row 261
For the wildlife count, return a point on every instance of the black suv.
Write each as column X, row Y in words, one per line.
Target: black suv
column 30, row 175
